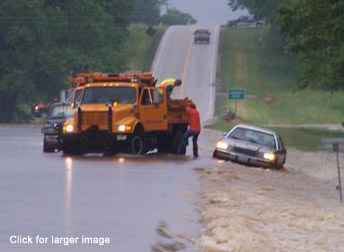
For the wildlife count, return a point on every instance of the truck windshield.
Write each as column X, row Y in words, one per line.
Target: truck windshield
column 121, row 95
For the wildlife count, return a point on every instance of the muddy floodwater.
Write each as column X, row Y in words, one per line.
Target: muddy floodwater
column 124, row 198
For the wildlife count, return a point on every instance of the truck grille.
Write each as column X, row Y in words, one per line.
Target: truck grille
column 94, row 118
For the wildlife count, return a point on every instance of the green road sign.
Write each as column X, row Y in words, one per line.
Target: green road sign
column 236, row 94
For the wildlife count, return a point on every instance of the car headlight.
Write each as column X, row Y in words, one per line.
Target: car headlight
column 69, row 128
column 270, row 156
column 124, row 128
column 222, row 145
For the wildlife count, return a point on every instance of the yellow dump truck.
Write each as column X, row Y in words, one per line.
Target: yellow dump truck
column 124, row 113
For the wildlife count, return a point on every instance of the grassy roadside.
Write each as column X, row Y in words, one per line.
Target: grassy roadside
column 141, row 47
column 269, row 78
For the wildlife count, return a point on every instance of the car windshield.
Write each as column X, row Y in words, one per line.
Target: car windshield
column 254, row 136
column 61, row 111
column 121, row 95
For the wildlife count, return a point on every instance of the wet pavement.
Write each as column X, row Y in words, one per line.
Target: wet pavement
column 124, row 198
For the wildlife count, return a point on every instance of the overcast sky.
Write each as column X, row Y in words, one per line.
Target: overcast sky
column 207, row 11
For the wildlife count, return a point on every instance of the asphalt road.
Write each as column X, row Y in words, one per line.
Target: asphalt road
column 194, row 64
column 124, row 198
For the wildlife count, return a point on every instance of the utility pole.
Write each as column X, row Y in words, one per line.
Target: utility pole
column 336, row 149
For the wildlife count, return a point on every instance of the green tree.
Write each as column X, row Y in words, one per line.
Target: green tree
column 146, row 11
column 315, row 34
column 41, row 41
column 176, row 17
column 259, row 8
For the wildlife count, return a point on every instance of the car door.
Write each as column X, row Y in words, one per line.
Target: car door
column 153, row 110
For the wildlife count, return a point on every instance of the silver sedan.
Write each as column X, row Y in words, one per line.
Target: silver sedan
column 253, row 146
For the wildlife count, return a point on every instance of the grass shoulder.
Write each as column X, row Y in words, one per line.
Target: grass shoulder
column 304, row 139
column 141, row 47
column 252, row 59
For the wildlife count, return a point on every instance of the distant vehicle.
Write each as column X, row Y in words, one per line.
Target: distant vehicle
column 253, row 146
column 245, row 21
column 202, row 35
column 41, row 109
column 58, row 114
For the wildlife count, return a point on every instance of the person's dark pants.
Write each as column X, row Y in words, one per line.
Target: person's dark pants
column 194, row 135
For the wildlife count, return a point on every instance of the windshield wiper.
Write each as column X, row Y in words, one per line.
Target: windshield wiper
column 235, row 137
column 253, row 141
column 57, row 117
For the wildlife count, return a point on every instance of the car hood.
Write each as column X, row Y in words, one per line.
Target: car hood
column 247, row 145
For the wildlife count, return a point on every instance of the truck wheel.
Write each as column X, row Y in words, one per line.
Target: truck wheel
column 137, row 144
column 47, row 148
column 179, row 145
column 163, row 144
column 71, row 149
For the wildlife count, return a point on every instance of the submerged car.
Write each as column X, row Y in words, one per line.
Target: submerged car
column 253, row 146
column 58, row 114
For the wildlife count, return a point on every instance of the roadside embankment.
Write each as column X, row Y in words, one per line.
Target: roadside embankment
column 254, row 209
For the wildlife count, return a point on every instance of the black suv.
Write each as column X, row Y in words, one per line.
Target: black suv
column 58, row 114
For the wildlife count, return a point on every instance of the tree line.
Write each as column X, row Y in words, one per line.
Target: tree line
column 313, row 32
column 42, row 41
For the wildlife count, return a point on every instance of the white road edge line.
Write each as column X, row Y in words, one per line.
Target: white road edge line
column 213, row 74
column 160, row 49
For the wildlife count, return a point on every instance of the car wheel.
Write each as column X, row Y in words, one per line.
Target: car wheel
column 279, row 166
column 47, row 148
column 215, row 154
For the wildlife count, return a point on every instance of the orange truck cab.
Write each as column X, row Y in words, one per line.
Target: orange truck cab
column 124, row 113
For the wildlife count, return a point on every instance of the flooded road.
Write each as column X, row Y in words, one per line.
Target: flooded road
column 123, row 197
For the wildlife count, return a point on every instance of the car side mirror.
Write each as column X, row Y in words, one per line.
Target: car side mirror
column 224, row 134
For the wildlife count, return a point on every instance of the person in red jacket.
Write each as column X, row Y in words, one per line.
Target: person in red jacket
column 194, row 127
